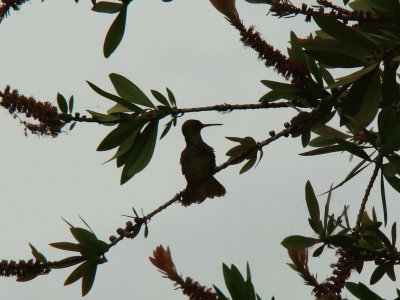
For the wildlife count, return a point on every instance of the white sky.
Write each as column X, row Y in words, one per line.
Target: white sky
column 188, row 46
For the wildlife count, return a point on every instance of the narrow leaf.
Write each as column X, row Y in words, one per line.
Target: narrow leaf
column 312, row 203
column 123, row 102
column 298, row 242
column 62, row 103
column 129, row 91
column 115, row 33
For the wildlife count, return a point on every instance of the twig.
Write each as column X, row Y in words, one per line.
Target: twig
column 356, row 230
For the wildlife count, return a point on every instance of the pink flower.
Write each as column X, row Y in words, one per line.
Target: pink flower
column 299, row 259
column 226, row 7
column 163, row 261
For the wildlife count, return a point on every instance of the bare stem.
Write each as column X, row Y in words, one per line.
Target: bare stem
column 378, row 164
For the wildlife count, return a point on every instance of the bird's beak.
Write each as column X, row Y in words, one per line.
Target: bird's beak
column 207, row 125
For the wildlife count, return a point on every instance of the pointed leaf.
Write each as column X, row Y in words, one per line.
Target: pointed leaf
column 88, row 277
column 352, row 77
column 107, row 7
column 171, row 98
column 342, row 32
column 323, row 150
column 38, row 256
column 312, row 203
column 166, row 129
column 383, row 197
column 377, row 274
column 82, row 235
column 115, row 33
column 249, row 164
column 123, row 102
column 117, row 136
column 129, row 91
column 298, row 242
column 62, row 103
column 71, row 104
column 66, row 246
column 353, row 149
column 145, row 147
column 160, row 98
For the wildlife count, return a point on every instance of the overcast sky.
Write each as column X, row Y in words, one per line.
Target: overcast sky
column 188, row 46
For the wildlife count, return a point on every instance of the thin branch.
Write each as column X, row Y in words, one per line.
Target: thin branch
column 283, row 8
column 378, row 165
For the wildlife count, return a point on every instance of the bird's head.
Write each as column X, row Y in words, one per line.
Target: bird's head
column 193, row 127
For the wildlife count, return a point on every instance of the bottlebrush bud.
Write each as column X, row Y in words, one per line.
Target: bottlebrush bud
column 226, row 7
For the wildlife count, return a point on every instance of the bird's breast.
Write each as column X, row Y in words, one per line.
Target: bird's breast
column 198, row 163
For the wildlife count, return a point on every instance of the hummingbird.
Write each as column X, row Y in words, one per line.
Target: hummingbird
column 198, row 165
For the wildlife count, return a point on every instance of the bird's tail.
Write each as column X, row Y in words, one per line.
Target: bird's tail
column 197, row 193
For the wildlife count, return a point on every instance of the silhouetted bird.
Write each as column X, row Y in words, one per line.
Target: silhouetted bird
column 198, row 166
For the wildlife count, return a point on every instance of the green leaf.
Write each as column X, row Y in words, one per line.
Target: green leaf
column 296, row 50
column 219, row 293
column 88, row 277
column 361, row 291
column 26, row 277
column 340, row 240
column 352, row 77
column 329, row 132
column 171, row 98
column 160, row 98
column 82, row 235
column 389, row 127
column 335, row 60
column 390, row 90
column 38, row 256
column 129, row 105
column 312, row 203
column 326, row 210
column 62, row 103
column 129, row 91
column 107, row 7
column 305, row 138
column 353, row 149
column 118, row 108
column 377, row 274
column 86, row 271
column 318, row 251
column 298, row 242
column 142, row 152
column 102, row 118
column 343, row 33
column 236, row 285
column 115, row 33
column 166, row 129
column 383, row 197
column 371, row 101
column 66, row 246
column 67, row 262
column 394, row 234
column 275, row 85
column 117, row 136
column 326, row 75
column 249, row 164
column 235, row 139
column 71, row 104
column 323, row 150
column 328, row 45
column 394, row 182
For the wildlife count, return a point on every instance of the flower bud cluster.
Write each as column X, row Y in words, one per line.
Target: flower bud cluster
column 46, row 114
